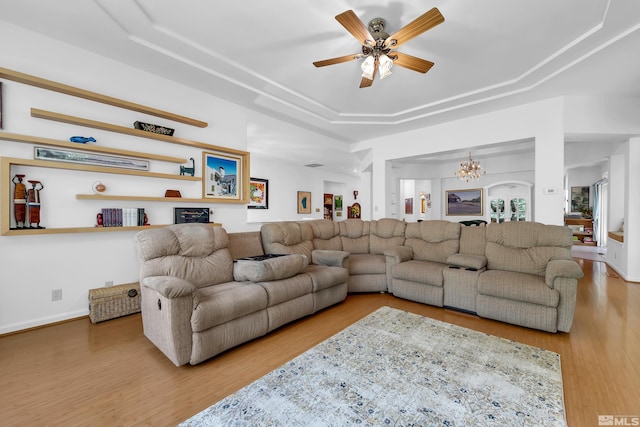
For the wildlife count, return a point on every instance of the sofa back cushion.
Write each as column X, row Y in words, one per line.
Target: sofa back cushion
column 433, row 240
column 197, row 253
column 386, row 233
column 473, row 240
column 354, row 235
column 526, row 247
column 287, row 238
column 326, row 234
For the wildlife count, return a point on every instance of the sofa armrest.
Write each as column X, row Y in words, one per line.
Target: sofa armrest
column 398, row 254
column 168, row 286
column 474, row 262
column 167, row 304
column 562, row 268
column 331, row 258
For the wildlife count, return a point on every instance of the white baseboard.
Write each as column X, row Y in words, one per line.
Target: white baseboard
column 42, row 321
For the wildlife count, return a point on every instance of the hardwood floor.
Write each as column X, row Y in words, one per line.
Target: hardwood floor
column 109, row 374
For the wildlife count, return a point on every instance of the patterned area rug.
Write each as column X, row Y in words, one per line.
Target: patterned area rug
column 398, row 368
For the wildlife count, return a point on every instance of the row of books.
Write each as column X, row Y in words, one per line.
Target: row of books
column 121, row 217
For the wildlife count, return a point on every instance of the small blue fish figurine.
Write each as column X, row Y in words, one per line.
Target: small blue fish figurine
column 82, row 139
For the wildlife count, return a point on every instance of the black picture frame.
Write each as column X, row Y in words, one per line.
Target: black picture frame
column 190, row 215
column 258, row 193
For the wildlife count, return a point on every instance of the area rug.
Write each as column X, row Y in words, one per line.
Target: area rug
column 401, row 369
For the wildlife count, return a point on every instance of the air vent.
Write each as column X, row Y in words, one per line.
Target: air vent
column 314, row 165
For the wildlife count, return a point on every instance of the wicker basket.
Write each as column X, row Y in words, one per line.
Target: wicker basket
column 116, row 301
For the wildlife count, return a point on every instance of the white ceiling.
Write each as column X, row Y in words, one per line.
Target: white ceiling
column 488, row 54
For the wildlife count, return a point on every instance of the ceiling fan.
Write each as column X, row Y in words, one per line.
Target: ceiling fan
column 377, row 46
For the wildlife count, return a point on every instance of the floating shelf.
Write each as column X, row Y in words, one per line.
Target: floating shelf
column 142, row 198
column 93, row 96
column 6, row 136
column 94, row 124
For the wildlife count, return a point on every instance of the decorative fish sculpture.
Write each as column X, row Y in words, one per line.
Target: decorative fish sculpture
column 82, row 139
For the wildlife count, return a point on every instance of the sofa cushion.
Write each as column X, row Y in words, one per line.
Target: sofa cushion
column 473, row 240
column 196, row 253
column 323, row 276
column 517, row 287
column 266, row 270
column 287, row 238
column 433, row 240
column 367, row 264
column 526, row 247
column 386, row 233
column 427, row 272
column 326, row 234
column 280, row 291
column 228, row 301
column 354, row 235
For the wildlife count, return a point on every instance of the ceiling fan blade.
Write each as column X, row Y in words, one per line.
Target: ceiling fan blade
column 354, row 25
column 411, row 62
column 337, row 60
column 365, row 82
column 416, row 27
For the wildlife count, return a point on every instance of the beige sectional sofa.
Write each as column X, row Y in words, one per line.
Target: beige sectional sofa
column 198, row 302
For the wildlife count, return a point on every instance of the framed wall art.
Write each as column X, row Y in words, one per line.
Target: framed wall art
column 408, row 206
column 225, row 176
column 579, row 198
column 0, row 105
column 70, row 156
column 304, row 202
column 464, row 202
column 337, row 202
column 258, row 193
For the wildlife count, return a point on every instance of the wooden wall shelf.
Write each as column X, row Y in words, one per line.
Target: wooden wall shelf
column 7, row 162
column 141, row 198
column 7, row 136
column 68, row 230
column 64, row 118
column 93, row 96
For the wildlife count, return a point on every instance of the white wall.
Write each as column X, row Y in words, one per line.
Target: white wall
column 285, row 180
column 541, row 122
column 32, row 266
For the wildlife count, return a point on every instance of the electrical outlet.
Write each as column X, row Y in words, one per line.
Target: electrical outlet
column 108, row 283
column 56, row 294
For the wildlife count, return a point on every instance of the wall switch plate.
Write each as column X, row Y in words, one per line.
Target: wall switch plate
column 108, row 284
column 550, row 191
column 56, row 294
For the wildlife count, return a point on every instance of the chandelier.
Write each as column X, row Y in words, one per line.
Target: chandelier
column 470, row 170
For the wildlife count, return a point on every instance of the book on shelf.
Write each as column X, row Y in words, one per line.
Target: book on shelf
column 122, row 217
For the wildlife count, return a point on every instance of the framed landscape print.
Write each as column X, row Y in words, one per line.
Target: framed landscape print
column 225, row 176
column 304, row 202
column 464, row 202
column 258, row 193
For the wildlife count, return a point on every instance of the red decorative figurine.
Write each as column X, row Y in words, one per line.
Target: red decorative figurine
column 33, row 203
column 19, row 201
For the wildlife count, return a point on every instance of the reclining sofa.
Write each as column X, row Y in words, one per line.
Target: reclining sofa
column 200, row 295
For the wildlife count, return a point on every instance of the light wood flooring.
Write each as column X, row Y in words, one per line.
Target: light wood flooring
column 109, row 374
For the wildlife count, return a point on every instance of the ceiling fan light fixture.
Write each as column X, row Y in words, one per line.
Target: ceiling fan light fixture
column 368, row 67
column 385, row 64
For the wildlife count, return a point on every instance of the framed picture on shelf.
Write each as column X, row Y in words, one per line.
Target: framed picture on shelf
column 70, row 156
column 225, row 176
column 304, row 202
column 258, row 193
column 464, row 202
column 190, row 215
